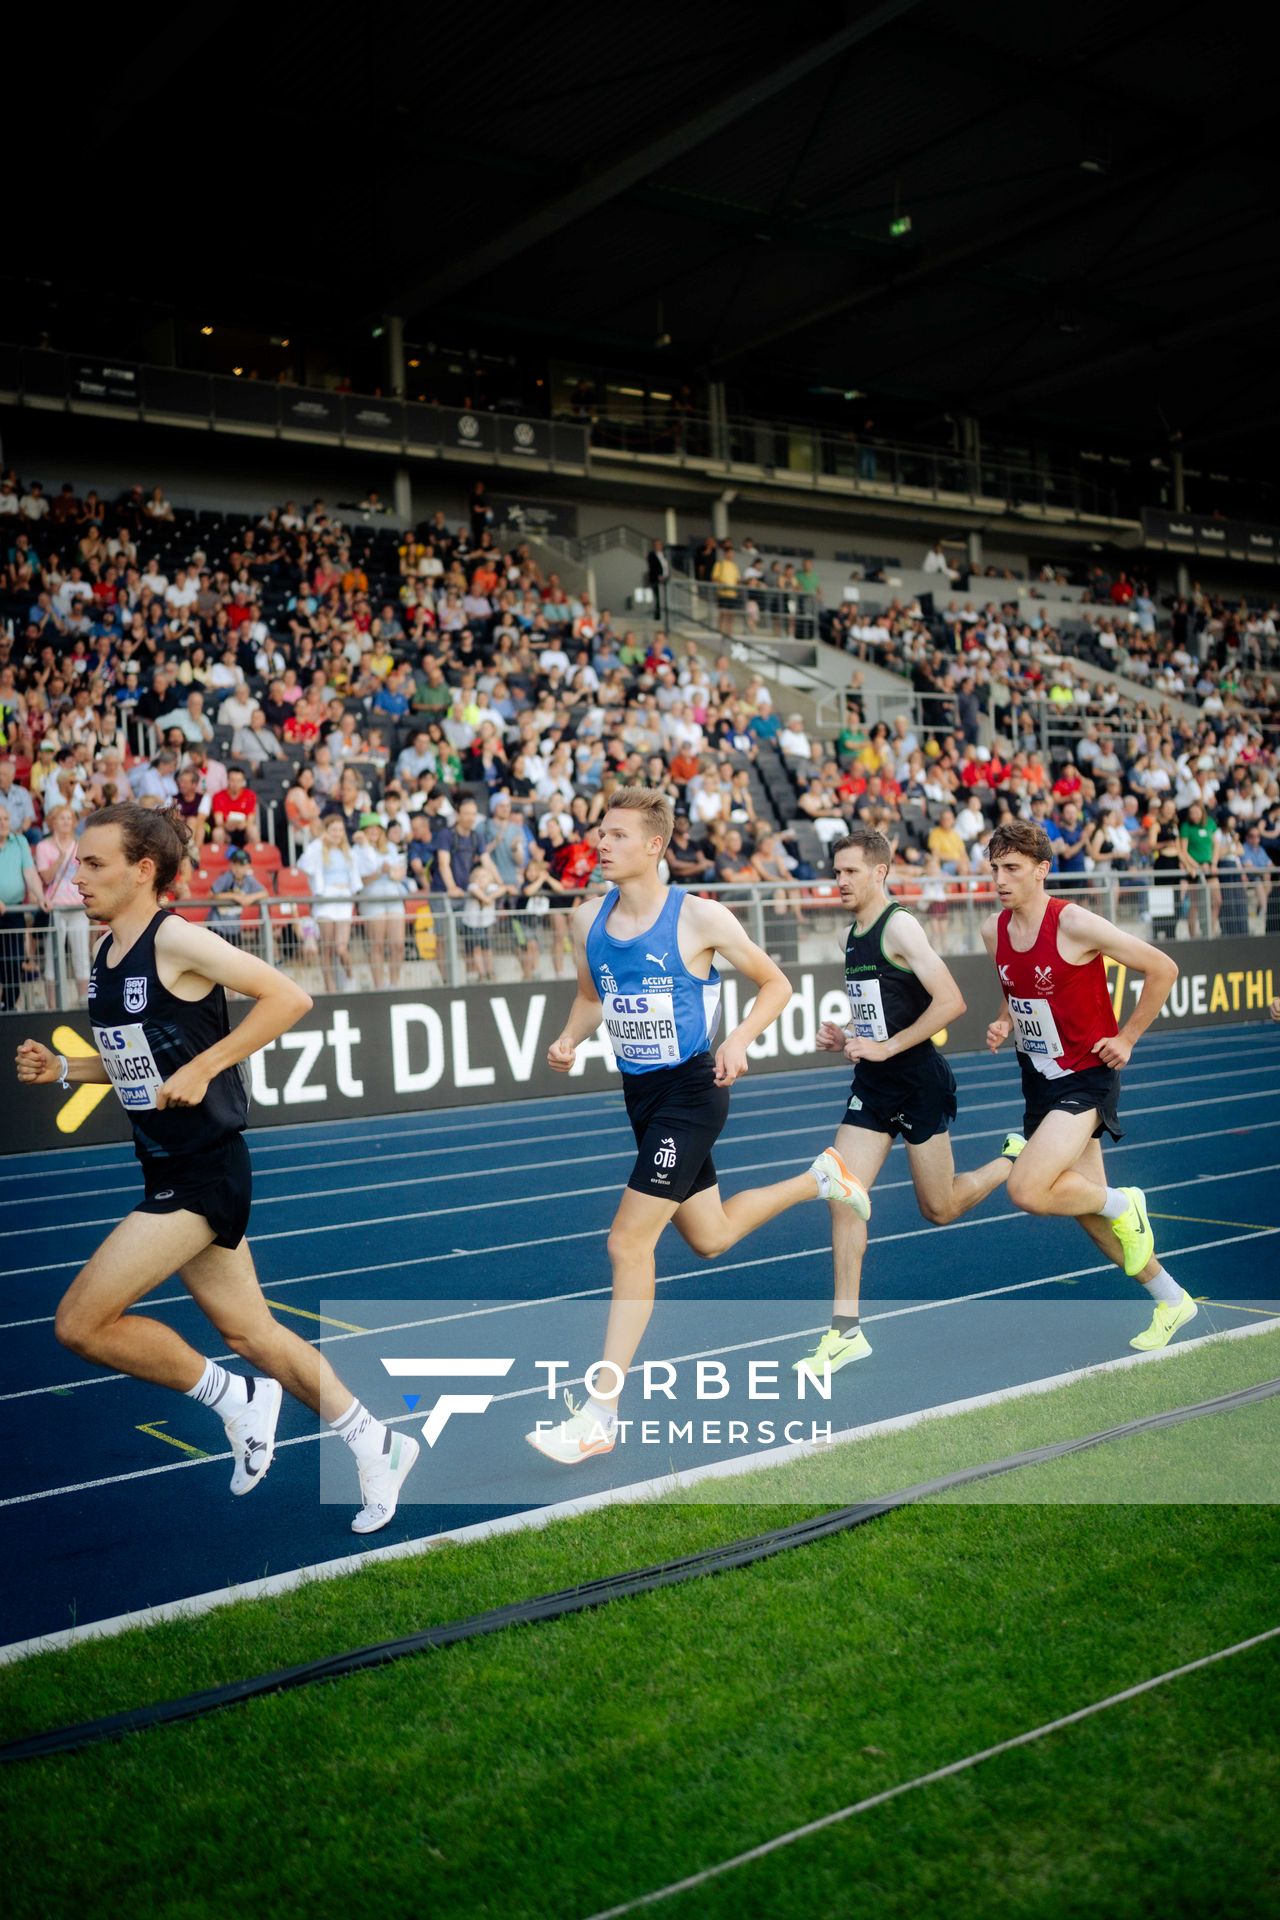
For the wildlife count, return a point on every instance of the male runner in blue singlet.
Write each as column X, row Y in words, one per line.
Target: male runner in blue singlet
column 645, row 955
column 158, row 1009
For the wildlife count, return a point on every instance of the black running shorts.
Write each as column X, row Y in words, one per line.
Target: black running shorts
column 1096, row 1088
column 916, row 1108
column 677, row 1114
column 216, row 1183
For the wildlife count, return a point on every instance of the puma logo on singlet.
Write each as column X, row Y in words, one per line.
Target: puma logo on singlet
column 658, row 962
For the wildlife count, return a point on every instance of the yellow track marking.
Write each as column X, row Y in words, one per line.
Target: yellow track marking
column 280, row 1307
column 153, row 1426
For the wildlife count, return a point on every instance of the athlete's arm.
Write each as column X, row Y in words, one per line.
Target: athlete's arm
column 185, row 952
column 1092, row 934
column 906, row 941
column 1002, row 1026
column 587, row 1010
column 717, row 931
column 37, row 1067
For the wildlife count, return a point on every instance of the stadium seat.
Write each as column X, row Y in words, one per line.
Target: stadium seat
column 213, row 861
column 266, row 860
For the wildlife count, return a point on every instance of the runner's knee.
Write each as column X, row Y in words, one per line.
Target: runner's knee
column 76, row 1328
column 624, row 1247
column 937, row 1211
column 1025, row 1191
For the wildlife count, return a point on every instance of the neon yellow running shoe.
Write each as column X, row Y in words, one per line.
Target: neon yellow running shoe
column 835, row 1350
column 1133, row 1231
column 1165, row 1322
column 1013, row 1145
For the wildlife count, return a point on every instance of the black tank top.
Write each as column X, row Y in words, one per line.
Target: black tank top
column 883, row 999
column 143, row 1034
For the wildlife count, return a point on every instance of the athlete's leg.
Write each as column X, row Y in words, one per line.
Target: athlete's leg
column 712, row 1224
column 1044, row 1178
column 633, row 1237
column 1090, row 1167
column 864, row 1153
column 224, row 1285
column 135, row 1257
column 942, row 1193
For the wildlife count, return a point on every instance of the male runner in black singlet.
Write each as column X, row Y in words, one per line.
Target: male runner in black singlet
column 900, row 995
column 158, row 1007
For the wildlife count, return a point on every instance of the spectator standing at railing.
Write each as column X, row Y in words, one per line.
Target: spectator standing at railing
column 1067, row 837
column 383, row 869
column 67, row 935
column 725, row 577
column 330, row 866
column 20, row 888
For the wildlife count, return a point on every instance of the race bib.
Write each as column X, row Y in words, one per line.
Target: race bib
column 642, row 1027
column 866, row 1003
column 1037, row 1035
column 126, row 1054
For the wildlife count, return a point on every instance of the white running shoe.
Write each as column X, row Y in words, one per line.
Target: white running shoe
column 835, row 1182
column 578, row 1437
column 380, row 1483
column 252, row 1433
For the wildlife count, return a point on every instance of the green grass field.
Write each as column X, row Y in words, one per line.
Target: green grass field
column 557, row 1769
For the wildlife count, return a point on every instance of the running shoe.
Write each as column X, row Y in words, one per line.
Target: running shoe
column 835, row 1350
column 578, row 1437
column 381, row 1482
column 1013, row 1145
column 835, row 1182
column 1165, row 1322
column 1133, row 1231
column 252, row 1433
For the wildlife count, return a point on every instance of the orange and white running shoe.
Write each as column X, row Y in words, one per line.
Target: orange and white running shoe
column 580, row 1436
column 835, row 1182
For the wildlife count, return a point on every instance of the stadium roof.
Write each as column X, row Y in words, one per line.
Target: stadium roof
column 1089, row 189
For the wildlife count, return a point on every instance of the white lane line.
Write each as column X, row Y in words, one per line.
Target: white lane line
column 329, row 1167
column 1128, row 1146
column 953, row 1767
column 515, row 1306
column 572, row 1193
column 491, row 1115
column 539, row 1517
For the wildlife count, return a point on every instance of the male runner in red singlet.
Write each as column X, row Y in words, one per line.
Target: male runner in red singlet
column 1049, row 955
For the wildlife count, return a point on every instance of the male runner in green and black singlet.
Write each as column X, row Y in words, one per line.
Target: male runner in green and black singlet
column 900, row 995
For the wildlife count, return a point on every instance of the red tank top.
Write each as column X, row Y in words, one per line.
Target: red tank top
column 1059, row 1010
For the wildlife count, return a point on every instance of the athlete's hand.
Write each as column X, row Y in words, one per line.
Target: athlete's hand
column 831, row 1038
column 560, row 1054
column 37, row 1067
column 858, row 1049
column 731, row 1063
column 185, row 1088
column 998, row 1032
column 1113, row 1051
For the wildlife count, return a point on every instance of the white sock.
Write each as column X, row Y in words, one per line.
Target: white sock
column 224, row 1393
column 366, row 1437
column 602, row 1416
column 1114, row 1205
column 1163, row 1286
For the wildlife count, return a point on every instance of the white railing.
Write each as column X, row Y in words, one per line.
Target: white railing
column 428, row 941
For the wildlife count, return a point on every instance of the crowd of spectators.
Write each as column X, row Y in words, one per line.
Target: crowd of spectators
column 414, row 723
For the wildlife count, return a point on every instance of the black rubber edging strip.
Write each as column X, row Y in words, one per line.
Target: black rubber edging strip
column 594, row 1593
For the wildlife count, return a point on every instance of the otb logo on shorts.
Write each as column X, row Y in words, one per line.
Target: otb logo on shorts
column 666, row 1154
column 135, row 993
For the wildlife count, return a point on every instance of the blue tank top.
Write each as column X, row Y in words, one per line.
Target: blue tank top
column 656, row 1013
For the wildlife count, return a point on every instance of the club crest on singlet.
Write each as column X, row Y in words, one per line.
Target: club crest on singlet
column 135, row 993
